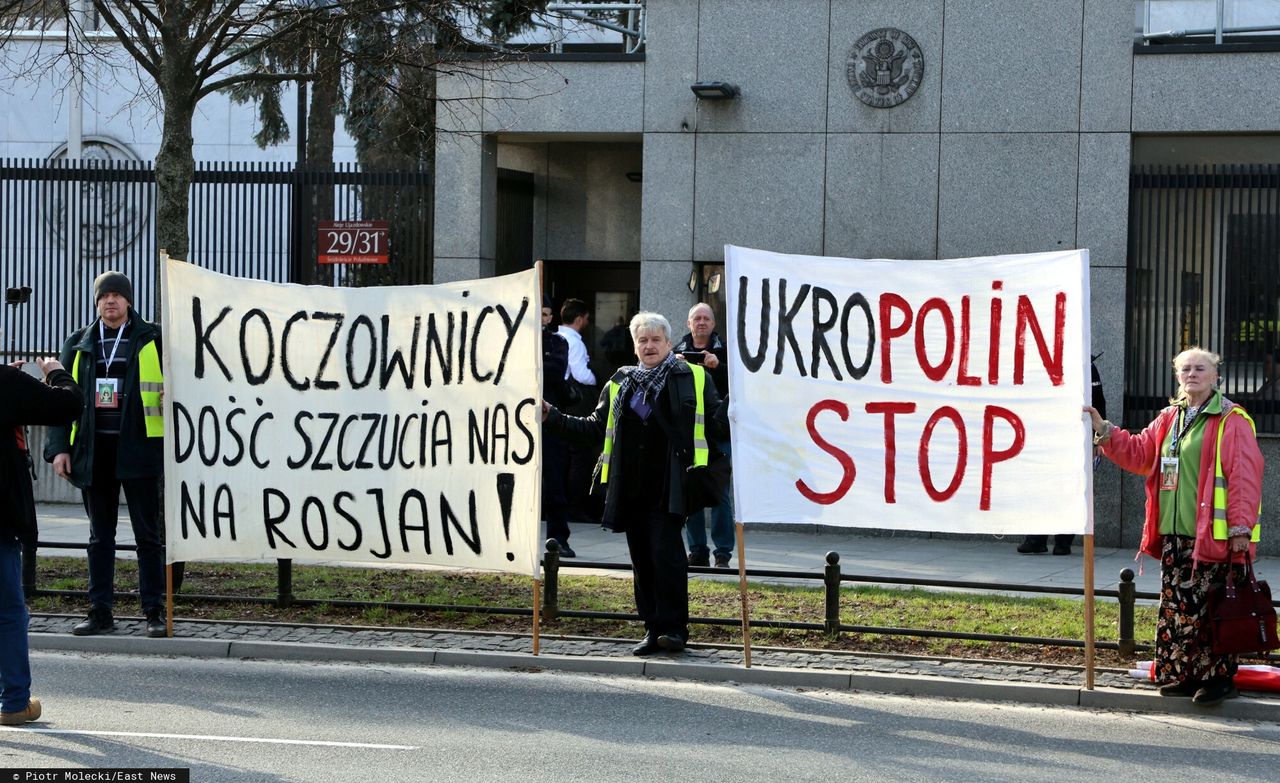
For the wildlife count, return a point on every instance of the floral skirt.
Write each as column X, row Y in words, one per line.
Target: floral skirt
column 1184, row 647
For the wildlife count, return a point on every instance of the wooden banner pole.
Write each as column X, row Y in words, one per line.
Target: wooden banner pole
column 1088, row 613
column 742, row 589
column 168, row 599
column 537, row 614
column 537, row 583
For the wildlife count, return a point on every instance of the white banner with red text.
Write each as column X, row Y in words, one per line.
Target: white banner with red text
column 911, row 395
column 397, row 425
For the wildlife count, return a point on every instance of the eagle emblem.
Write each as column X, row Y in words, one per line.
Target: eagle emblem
column 885, row 67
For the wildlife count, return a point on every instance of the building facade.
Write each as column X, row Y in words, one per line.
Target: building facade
column 1026, row 124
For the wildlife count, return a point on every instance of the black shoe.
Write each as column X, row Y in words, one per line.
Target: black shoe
column 566, row 550
column 1032, row 549
column 99, row 621
column 699, row 560
column 156, row 628
column 670, row 642
column 1186, row 688
column 648, row 646
column 1215, row 691
column 722, row 561
column 1062, row 549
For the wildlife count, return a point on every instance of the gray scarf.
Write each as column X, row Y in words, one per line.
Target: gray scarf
column 647, row 381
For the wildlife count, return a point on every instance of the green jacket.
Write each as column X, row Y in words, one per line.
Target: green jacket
column 139, row 456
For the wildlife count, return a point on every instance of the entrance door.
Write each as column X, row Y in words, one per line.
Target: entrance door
column 612, row 293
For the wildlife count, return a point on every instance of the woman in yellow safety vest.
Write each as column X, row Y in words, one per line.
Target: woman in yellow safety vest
column 1203, row 474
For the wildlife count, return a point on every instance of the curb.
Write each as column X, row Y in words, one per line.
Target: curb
column 1243, row 708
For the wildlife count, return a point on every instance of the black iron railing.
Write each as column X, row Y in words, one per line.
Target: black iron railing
column 831, row 576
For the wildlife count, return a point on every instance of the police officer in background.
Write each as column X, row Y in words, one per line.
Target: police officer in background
column 555, row 450
column 117, row 442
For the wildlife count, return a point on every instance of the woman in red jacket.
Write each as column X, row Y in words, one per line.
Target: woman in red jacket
column 1201, row 440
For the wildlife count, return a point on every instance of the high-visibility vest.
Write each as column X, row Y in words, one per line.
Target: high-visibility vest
column 700, row 451
column 150, row 386
column 1220, row 526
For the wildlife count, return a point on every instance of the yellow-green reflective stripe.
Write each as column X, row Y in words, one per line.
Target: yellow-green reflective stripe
column 150, row 385
column 700, row 451
column 608, row 434
column 75, row 376
column 1220, row 526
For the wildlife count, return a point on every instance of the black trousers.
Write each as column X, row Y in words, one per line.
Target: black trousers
column 660, row 572
column 555, row 480
column 102, row 504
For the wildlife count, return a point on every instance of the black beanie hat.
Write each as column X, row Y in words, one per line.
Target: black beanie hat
column 113, row 283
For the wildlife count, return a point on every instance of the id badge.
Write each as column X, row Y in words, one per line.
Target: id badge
column 1168, row 473
column 108, row 394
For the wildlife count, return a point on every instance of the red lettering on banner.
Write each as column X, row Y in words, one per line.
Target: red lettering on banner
column 926, row 475
column 890, row 409
column 888, row 303
column 1027, row 317
column 963, row 378
column 846, row 461
column 939, row 371
column 990, row 456
column 993, row 346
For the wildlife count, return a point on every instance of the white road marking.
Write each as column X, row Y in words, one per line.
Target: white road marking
column 213, row 738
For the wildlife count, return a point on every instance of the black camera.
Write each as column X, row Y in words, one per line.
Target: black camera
column 17, row 296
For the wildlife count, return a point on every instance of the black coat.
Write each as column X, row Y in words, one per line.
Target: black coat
column 139, row 456
column 26, row 401
column 678, row 395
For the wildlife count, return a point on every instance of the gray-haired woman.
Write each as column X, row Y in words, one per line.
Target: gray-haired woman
column 1201, row 441
column 655, row 419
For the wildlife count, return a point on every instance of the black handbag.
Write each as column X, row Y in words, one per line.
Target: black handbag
column 1241, row 616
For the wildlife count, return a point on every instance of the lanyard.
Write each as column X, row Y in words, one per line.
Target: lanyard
column 1178, row 434
column 102, row 339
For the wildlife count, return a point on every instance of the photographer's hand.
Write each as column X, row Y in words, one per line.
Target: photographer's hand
column 48, row 365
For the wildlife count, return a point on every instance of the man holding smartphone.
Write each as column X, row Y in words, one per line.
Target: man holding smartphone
column 703, row 346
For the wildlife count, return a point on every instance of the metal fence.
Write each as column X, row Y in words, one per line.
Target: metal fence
column 63, row 222
column 1204, row 269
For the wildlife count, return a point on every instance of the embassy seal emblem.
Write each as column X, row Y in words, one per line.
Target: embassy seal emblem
column 885, row 67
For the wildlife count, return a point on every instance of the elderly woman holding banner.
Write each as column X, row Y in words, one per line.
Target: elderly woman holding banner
column 1204, row 485
column 655, row 419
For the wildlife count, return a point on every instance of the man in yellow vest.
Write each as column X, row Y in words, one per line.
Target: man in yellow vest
column 657, row 420
column 117, row 442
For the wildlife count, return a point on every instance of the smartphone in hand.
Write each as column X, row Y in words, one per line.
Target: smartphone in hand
column 693, row 357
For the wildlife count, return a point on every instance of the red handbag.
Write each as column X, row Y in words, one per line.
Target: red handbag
column 1242, row 617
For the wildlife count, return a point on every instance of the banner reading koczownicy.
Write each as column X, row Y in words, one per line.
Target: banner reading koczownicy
column 911, row 395
column 379, row 425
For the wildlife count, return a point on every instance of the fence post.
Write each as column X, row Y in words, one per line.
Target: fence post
column 551, row 580
column 831, row 578
column 1128, row 591
column 284, row 583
